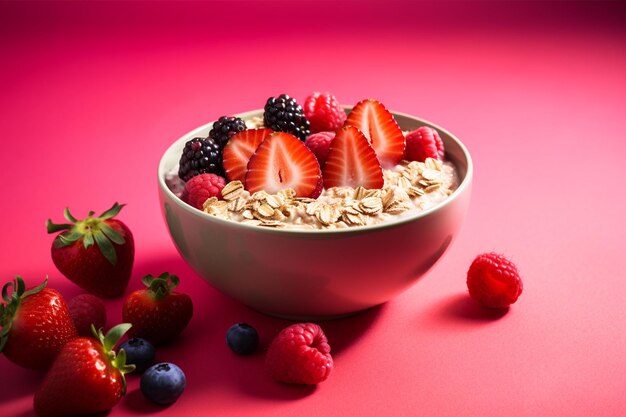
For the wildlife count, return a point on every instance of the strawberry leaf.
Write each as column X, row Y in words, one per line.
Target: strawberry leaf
column 112, row 212
column 105, row 246
column 5, row 330
column 147, row 280
column 161, row 286
column 66, row 239
column 88, row 241
column 20, row 287
column 68, row 216
column 53, row 228
column 4, row 335
column 174, row 281
column 120, row 362
column 114, row 335
column 97, row 333
column 112, row 234
column 5, row 292
column 32, row 291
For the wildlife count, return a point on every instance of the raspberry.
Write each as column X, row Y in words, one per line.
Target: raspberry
column 319, row 144
column 323, row 112
column 87, row 309
column 201, row 187
column 493, row 281
column 300, row 354
column 423, row 143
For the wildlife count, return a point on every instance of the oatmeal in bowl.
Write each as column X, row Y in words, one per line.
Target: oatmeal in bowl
column 303, row 223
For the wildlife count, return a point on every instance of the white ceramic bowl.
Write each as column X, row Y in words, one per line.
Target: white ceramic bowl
column 312, row 274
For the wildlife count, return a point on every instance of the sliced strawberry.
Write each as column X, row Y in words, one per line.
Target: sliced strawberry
column 283, row 161
column 381, row 129
column 239, row 150
column 318, row 189
column 352, row 161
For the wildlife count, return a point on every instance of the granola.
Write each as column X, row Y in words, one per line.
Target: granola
column 409, row 188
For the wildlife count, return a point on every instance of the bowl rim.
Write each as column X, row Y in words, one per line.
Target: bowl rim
column 465, row 183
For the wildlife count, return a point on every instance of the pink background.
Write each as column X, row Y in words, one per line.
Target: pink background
column 93, row 93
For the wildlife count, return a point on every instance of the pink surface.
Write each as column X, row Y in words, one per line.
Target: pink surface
column 93, row 93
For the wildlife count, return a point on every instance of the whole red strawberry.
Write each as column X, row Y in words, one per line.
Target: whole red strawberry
column 35, row 324
column 157, row 313
column 96, row 253
column 87, row 377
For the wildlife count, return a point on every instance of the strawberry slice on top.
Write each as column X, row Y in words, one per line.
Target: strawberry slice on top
column 379, row 126
column 239, row 150
column 283, row 161
column 352, row 161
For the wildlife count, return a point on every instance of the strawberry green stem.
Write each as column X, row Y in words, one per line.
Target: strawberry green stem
column 92, row 230
column 161, row 286
column 109, row 341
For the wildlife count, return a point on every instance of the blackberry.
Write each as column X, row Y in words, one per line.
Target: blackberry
column 200, row 156
column 283, row 114
column 224, row 128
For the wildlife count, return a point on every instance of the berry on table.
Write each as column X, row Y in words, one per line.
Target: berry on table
column 423, row 143
column 493, row 281
column 95, row 253
column 87, row 309
column 201, row 187
column 200, row 156
column 242, row 339
column 87, row 377
column 284, row 114
column 157, row 312
column 224, row 128
column 163, row 383
column 35, row 324
column 139, row 352
column 319, row 144
column 323, row 112
column 300, row 354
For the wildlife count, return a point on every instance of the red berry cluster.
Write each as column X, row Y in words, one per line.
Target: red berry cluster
column 39, row 330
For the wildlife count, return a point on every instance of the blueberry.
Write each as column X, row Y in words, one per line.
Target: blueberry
column 163, row 383
column 139, row 352
column 242, row 339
